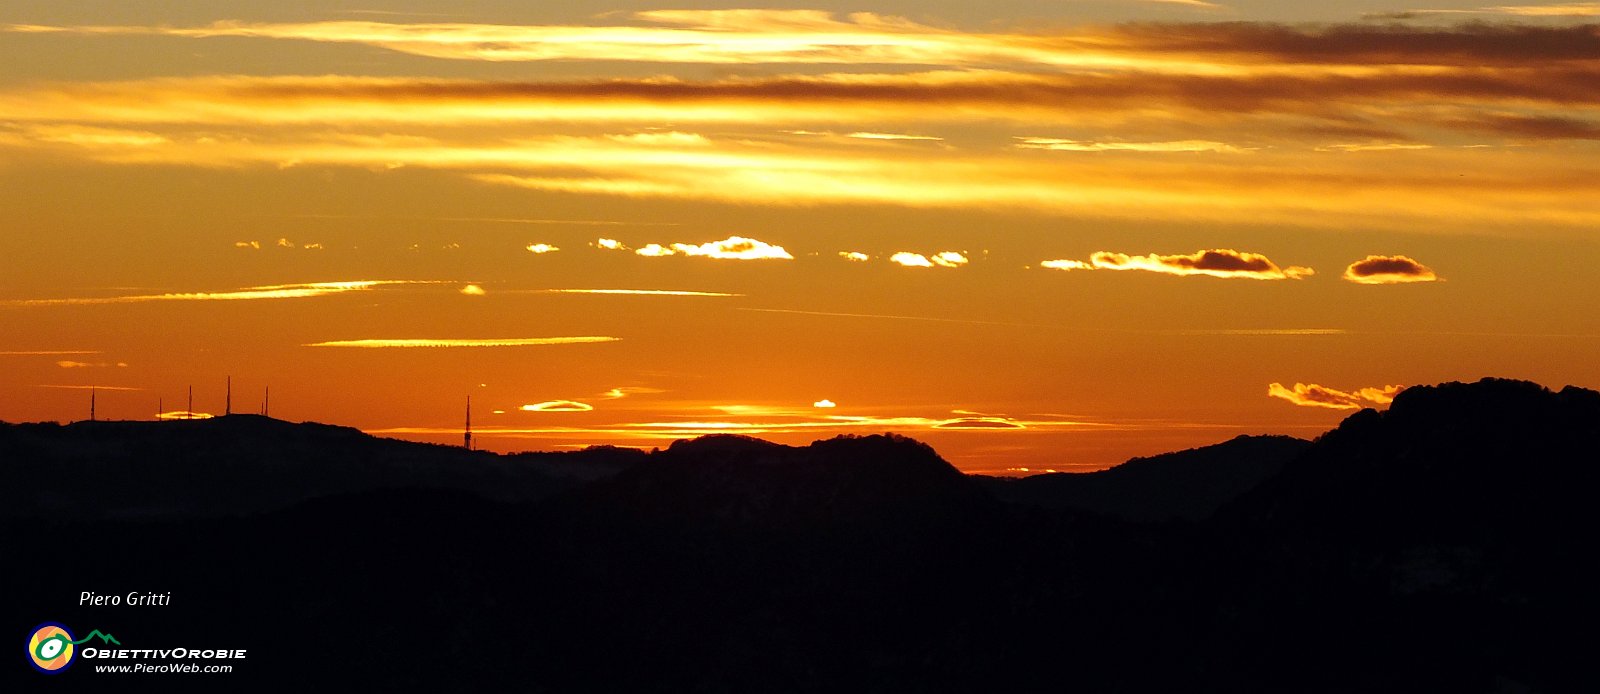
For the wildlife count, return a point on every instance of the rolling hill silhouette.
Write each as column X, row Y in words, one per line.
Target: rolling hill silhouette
column 248, row 464
column 1187, row 485
column 1436, row 546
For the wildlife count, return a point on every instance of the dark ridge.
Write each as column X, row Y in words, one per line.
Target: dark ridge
column 249, row 464
column 1186, row 485
column 862, row 481
column 1442, row 545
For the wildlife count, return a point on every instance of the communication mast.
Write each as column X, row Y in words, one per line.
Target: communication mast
column 467, row 436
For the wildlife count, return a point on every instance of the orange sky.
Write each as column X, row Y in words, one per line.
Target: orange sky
column 1035, row 239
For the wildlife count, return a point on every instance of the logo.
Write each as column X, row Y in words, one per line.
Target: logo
column 51, row 647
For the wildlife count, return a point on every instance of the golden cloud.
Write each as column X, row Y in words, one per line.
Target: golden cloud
column 541, row 248
column 1217, row 262
column 910, row 259
column 947, row 259
column 1313, row 395
column 854, row 256
column 473, row 290
column 731, row 248
column 1065, row 265
column 558, row 406
column 1388, row 269
column 181, row 414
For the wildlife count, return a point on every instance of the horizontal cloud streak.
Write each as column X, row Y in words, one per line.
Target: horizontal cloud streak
column 844, row 98
column 280, row 291
column 1217, row 262
column 558, row 406
column 455, row 342
column 1081, row 146
column 731, row 248
column 816, row 37
column 1253, row 106
column 634, row 292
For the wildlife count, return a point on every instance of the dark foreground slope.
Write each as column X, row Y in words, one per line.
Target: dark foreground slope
column 1439, row 546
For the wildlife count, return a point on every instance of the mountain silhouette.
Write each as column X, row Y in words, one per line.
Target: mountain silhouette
column 1436, row 546
column 249, row 463
column 849, row 481
column 1186, row 485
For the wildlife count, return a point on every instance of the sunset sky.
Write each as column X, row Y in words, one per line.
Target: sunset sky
column 1035, row 236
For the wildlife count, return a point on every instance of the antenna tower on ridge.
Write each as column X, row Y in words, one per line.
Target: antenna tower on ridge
column 467, row 436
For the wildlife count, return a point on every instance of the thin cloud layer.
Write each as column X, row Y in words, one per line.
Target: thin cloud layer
column 1082, row 146
column 1388, row 269
column 277, row 291
column 635, row 292
column 980, row 423
column 1199, row 121
column 817, row 37
column 1571, row 9
column 1313, row 395
column 453, row 342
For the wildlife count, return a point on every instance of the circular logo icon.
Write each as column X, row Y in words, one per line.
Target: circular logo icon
column 50, row 648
